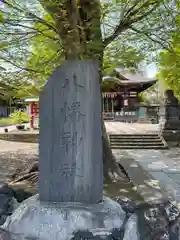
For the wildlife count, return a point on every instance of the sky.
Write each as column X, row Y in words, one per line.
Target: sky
column 151, row 70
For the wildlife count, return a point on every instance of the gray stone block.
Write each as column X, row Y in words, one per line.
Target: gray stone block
column 70, row 165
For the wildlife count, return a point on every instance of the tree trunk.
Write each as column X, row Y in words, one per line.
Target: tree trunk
column 113, row 172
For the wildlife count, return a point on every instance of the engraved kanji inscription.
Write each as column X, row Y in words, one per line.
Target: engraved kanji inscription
column 74, row 112
column 69, row 141
column 76, row 84
column 64, row 111
column 69, row 169
column 65, row 140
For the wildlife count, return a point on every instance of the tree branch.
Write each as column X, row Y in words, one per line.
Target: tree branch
column 31, row 15
column 161, row 43
column 128, row 21
column 16, row 65
column 31, row 28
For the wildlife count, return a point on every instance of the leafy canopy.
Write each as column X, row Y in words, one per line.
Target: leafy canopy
column 35, row 35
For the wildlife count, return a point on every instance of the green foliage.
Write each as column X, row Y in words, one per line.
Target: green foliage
column 152, row 95
column 26, row 90
column 169, row 74
column 15, row 118
column 19, row 117
column 119, row 55
column 1, row 17
column 46, row 52
column 31, row 38
column 169, row 63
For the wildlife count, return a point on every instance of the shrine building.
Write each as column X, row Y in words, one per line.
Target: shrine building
column 120, row 96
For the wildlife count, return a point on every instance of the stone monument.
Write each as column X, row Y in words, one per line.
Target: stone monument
column 70, row 195
column 70, row 136
column 170, row 118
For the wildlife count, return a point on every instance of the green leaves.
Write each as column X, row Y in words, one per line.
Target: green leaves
column 169, row 74
column 120, row 55
column 2, row 20
column 169, row 61
column 4, row 45
column 169, row 65
column 46, row 52
column 33, row 42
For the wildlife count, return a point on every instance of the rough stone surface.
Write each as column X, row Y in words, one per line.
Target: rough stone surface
column 133, row 221
column 70, row 135
column 158, row 222
column 60, row 221
column 7, row 202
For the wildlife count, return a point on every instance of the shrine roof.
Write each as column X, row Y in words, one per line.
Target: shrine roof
column 129, row 78
column 125, row 74
column 124, row 78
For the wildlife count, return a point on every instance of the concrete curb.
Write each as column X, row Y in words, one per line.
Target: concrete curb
column 20, row 137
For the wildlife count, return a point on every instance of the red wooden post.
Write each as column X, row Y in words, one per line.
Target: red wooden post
column 31, row 116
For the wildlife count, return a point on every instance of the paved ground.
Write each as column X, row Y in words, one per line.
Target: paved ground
column 161, row 165
column 130, row 128
column 11, row 128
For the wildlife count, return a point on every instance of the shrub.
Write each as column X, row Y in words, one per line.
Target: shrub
column 19, row 117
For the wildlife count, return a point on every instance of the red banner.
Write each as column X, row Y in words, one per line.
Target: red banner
column 34, row 109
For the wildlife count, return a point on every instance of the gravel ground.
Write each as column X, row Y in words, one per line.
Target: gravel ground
column 15, row 155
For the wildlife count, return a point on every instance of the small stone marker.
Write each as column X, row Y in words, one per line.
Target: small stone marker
column 70, row 135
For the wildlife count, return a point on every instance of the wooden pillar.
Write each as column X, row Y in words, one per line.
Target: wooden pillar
column 103, row 103
column 112, row 104
column 107, row 104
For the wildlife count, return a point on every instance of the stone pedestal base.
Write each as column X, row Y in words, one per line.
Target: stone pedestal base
column 60, row 221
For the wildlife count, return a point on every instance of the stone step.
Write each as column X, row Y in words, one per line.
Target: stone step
column 113, row 140
column 139, row 147
column 137, row 144
column 136, row 136
column 137, row 141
